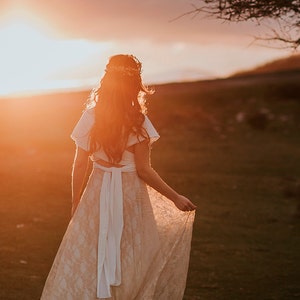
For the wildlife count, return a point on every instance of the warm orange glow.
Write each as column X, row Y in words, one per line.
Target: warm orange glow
column 20, row 56
column 66, row 45
column 30, row 60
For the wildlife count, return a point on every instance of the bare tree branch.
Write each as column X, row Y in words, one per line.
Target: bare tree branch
column 285, row 12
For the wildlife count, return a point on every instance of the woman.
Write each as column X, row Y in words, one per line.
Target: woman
column 125, row 240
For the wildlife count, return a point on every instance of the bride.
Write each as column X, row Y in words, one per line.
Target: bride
column 130, row 233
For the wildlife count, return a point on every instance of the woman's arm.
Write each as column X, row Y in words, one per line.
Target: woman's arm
column 148, row 174
column 80, row 166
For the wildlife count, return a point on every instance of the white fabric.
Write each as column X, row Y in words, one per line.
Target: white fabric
column 155, row 246
column 81, row 131
column 151, row 131
column 111, row 201
column 81, row 136
column 110, row 229
column 132, row 244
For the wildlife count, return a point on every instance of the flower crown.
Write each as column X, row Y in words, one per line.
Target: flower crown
column 128, row 71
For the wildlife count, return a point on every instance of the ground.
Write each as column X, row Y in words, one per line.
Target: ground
column 232, row 146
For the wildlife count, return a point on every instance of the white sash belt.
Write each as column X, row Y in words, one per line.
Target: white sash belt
column 110, row 229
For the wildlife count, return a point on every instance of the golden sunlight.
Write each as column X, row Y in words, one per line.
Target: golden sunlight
column 20, row 58
column 30, row 60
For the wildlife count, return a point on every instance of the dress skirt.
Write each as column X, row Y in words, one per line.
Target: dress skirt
column 155, row 246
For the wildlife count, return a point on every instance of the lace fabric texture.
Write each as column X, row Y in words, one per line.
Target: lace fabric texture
column 155, row 247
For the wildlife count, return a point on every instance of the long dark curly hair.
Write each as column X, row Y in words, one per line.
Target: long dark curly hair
column 119, row 106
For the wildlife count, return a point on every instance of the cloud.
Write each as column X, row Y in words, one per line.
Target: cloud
column 81, row 35
column 132, row 19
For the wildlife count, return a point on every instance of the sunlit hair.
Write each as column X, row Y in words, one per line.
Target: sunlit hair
column 119, row 105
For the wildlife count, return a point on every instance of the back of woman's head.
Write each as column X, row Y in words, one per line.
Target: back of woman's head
column 123, row 77
column 119, row 106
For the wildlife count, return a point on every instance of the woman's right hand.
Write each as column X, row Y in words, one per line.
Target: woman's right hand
column 184, row 204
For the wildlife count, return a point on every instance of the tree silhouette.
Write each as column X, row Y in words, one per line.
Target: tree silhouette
column 282, row 17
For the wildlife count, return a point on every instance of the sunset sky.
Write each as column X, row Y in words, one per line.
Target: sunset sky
column 54, row 44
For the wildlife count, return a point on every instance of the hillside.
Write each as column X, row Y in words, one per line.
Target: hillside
column 231, row 145
column 287, row 64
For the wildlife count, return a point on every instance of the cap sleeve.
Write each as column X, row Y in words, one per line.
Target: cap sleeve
column 150, row 129
column 81, row 132
column 153, row 134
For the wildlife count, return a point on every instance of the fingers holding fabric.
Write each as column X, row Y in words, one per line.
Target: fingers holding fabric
column 184, row 204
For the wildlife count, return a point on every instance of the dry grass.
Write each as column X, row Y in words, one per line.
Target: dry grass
column 244, row 180
column 291, row 62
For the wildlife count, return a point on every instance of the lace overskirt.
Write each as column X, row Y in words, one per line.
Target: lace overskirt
column 155, row 247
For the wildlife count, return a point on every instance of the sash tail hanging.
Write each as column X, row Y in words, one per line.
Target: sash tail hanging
column 110, row 229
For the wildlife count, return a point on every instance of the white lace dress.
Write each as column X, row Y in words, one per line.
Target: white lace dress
column 125, row 240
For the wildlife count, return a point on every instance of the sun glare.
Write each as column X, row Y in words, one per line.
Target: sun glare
column 29, row 59
column 20, row 60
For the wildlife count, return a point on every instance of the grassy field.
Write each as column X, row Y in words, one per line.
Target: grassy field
column 231, row 145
